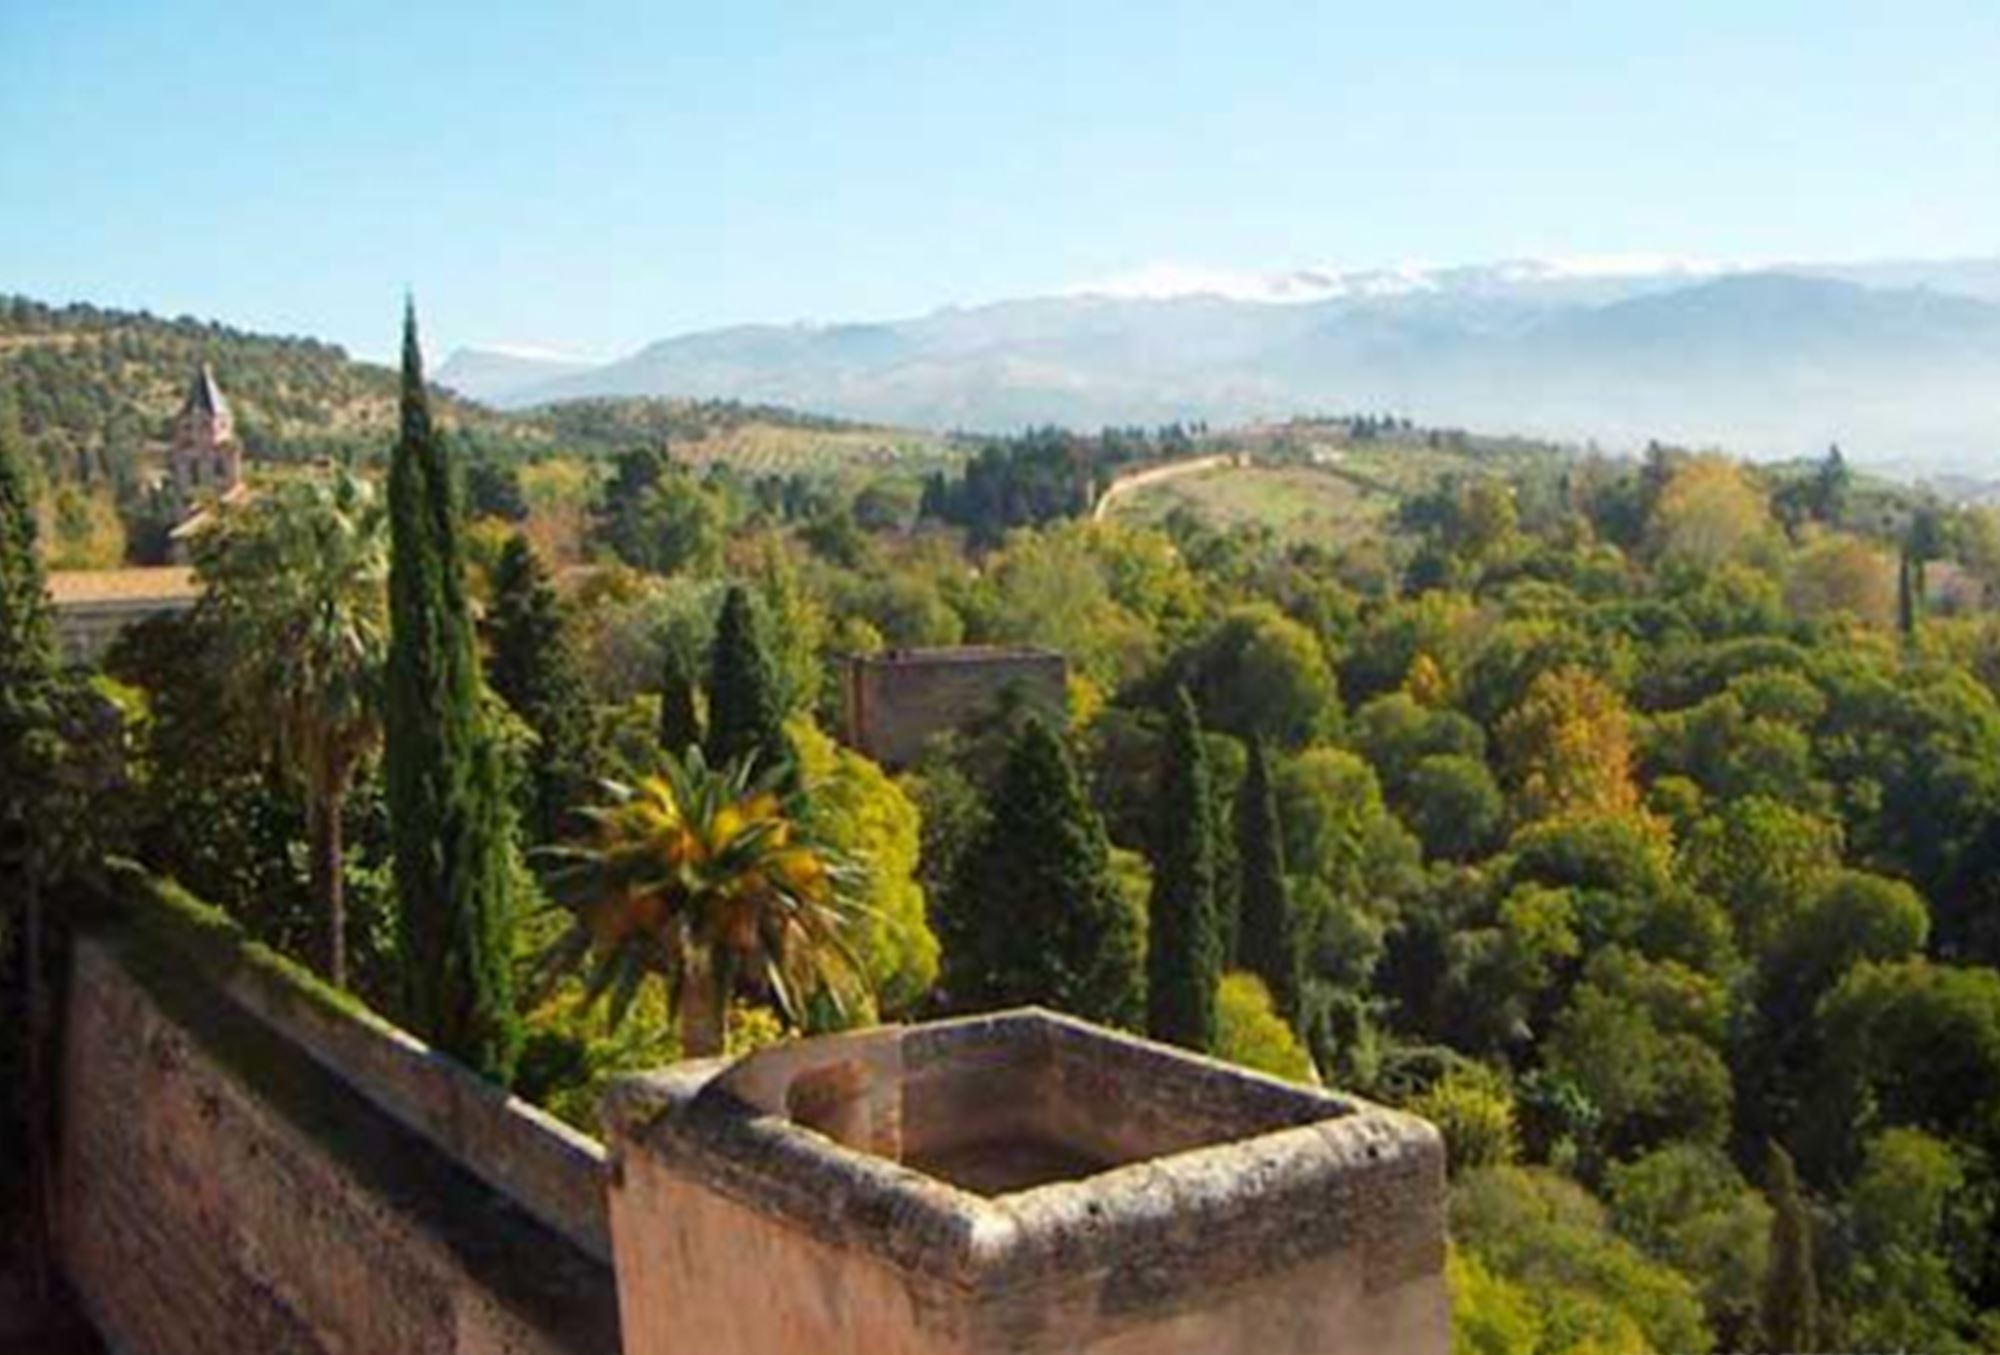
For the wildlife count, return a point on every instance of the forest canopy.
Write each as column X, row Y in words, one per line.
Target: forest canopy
column 1635, row 819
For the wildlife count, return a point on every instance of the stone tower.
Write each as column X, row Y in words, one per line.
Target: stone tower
column 1020, row 1183
column 206, row 460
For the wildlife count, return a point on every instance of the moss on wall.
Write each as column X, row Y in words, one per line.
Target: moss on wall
column 210, row 940
column 184, row 954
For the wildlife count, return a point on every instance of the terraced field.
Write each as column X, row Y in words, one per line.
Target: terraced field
column 770, row 448
column 1302, row 503
column 1323, row 490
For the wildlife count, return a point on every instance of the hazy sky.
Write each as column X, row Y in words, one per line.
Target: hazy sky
column 593, row 174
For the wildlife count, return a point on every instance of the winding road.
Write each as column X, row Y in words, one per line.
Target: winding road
column 1153, row 475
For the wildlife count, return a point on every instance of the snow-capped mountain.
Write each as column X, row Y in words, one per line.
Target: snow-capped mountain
column 1895, row 360
column 1165, row 281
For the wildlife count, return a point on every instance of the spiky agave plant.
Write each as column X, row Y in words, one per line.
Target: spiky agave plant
column 706, row 878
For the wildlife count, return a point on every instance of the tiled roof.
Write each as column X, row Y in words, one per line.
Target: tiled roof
column 81, row 587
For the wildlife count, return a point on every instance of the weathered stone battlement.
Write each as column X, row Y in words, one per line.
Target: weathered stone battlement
column 1020, row 1182
column 251, row 1160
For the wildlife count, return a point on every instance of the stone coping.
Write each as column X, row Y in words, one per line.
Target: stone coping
column 437, row 1210
column 1289, row 1173
column 553, row 1172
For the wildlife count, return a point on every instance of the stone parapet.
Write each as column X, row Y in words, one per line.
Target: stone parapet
column 251, row 1160
column 1020, row 1183
column 541, row 1164
column 222, row 1190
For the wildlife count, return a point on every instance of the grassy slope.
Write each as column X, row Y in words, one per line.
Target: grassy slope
column 758, row 439
column 1296, row 502
column 1321, row 488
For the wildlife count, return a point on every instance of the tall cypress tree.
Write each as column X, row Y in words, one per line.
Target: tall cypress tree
column 745, row 717
column 30, row 744
column 1790, row 1310
column 1224, row 781
column 448, row 814
column 680, row 724
column 535, row 671
column 1906, row 595
column 1035, row 914
column 1183, row 946
column 29, row 669
column 1270, row 940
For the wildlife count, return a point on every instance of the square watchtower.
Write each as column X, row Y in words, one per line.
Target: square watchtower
column 1019, row 1183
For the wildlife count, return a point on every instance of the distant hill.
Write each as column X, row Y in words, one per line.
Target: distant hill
column 1899, row 362
column 96, row 388
column 756, row 439
column 484, row 373
column 96, row 391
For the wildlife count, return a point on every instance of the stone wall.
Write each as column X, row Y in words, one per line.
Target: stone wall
column 231, row 1180
column 898, row 700
column 1218, row 1212
column 250, row 1161
column 546, row 1168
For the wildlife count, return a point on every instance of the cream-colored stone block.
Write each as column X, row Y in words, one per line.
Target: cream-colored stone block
column 1021, row 1183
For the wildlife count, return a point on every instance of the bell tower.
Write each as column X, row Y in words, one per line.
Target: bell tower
column 205, row 459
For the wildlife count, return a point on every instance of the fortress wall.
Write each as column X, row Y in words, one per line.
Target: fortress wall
column 1311, row 1225
column 223, row 1187
column 251, row 1161
column 897, row 701
column 545, row 1167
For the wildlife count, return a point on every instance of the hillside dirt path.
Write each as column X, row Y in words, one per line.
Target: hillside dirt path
column 1154, row 475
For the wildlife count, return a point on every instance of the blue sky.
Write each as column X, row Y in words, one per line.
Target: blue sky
column 594, row 174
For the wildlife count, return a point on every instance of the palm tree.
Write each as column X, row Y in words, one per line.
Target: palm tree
column 706, row 878
column 295, row 587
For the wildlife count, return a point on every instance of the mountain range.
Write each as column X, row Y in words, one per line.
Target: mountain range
column 1897, row 361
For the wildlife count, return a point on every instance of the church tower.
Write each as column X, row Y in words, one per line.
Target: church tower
column 206, row 460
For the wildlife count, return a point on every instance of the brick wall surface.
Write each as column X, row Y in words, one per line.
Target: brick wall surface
column 899, row 700
column 200, row 1215
column 541, row 1164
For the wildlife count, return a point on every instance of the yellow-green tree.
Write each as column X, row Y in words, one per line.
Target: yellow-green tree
column 1484, row 521
column 1474, row 1111
column 1709, row 511
column 1249, row 1031
column 1563, row 1270
column 1426, row 683
column 1685, row 1204
column 1841, row 575
column 864, row 817
column 1260, row 674
column 1906, row 1284
column 1050, row 588
column 1489, row 1315
column 1568, row 746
